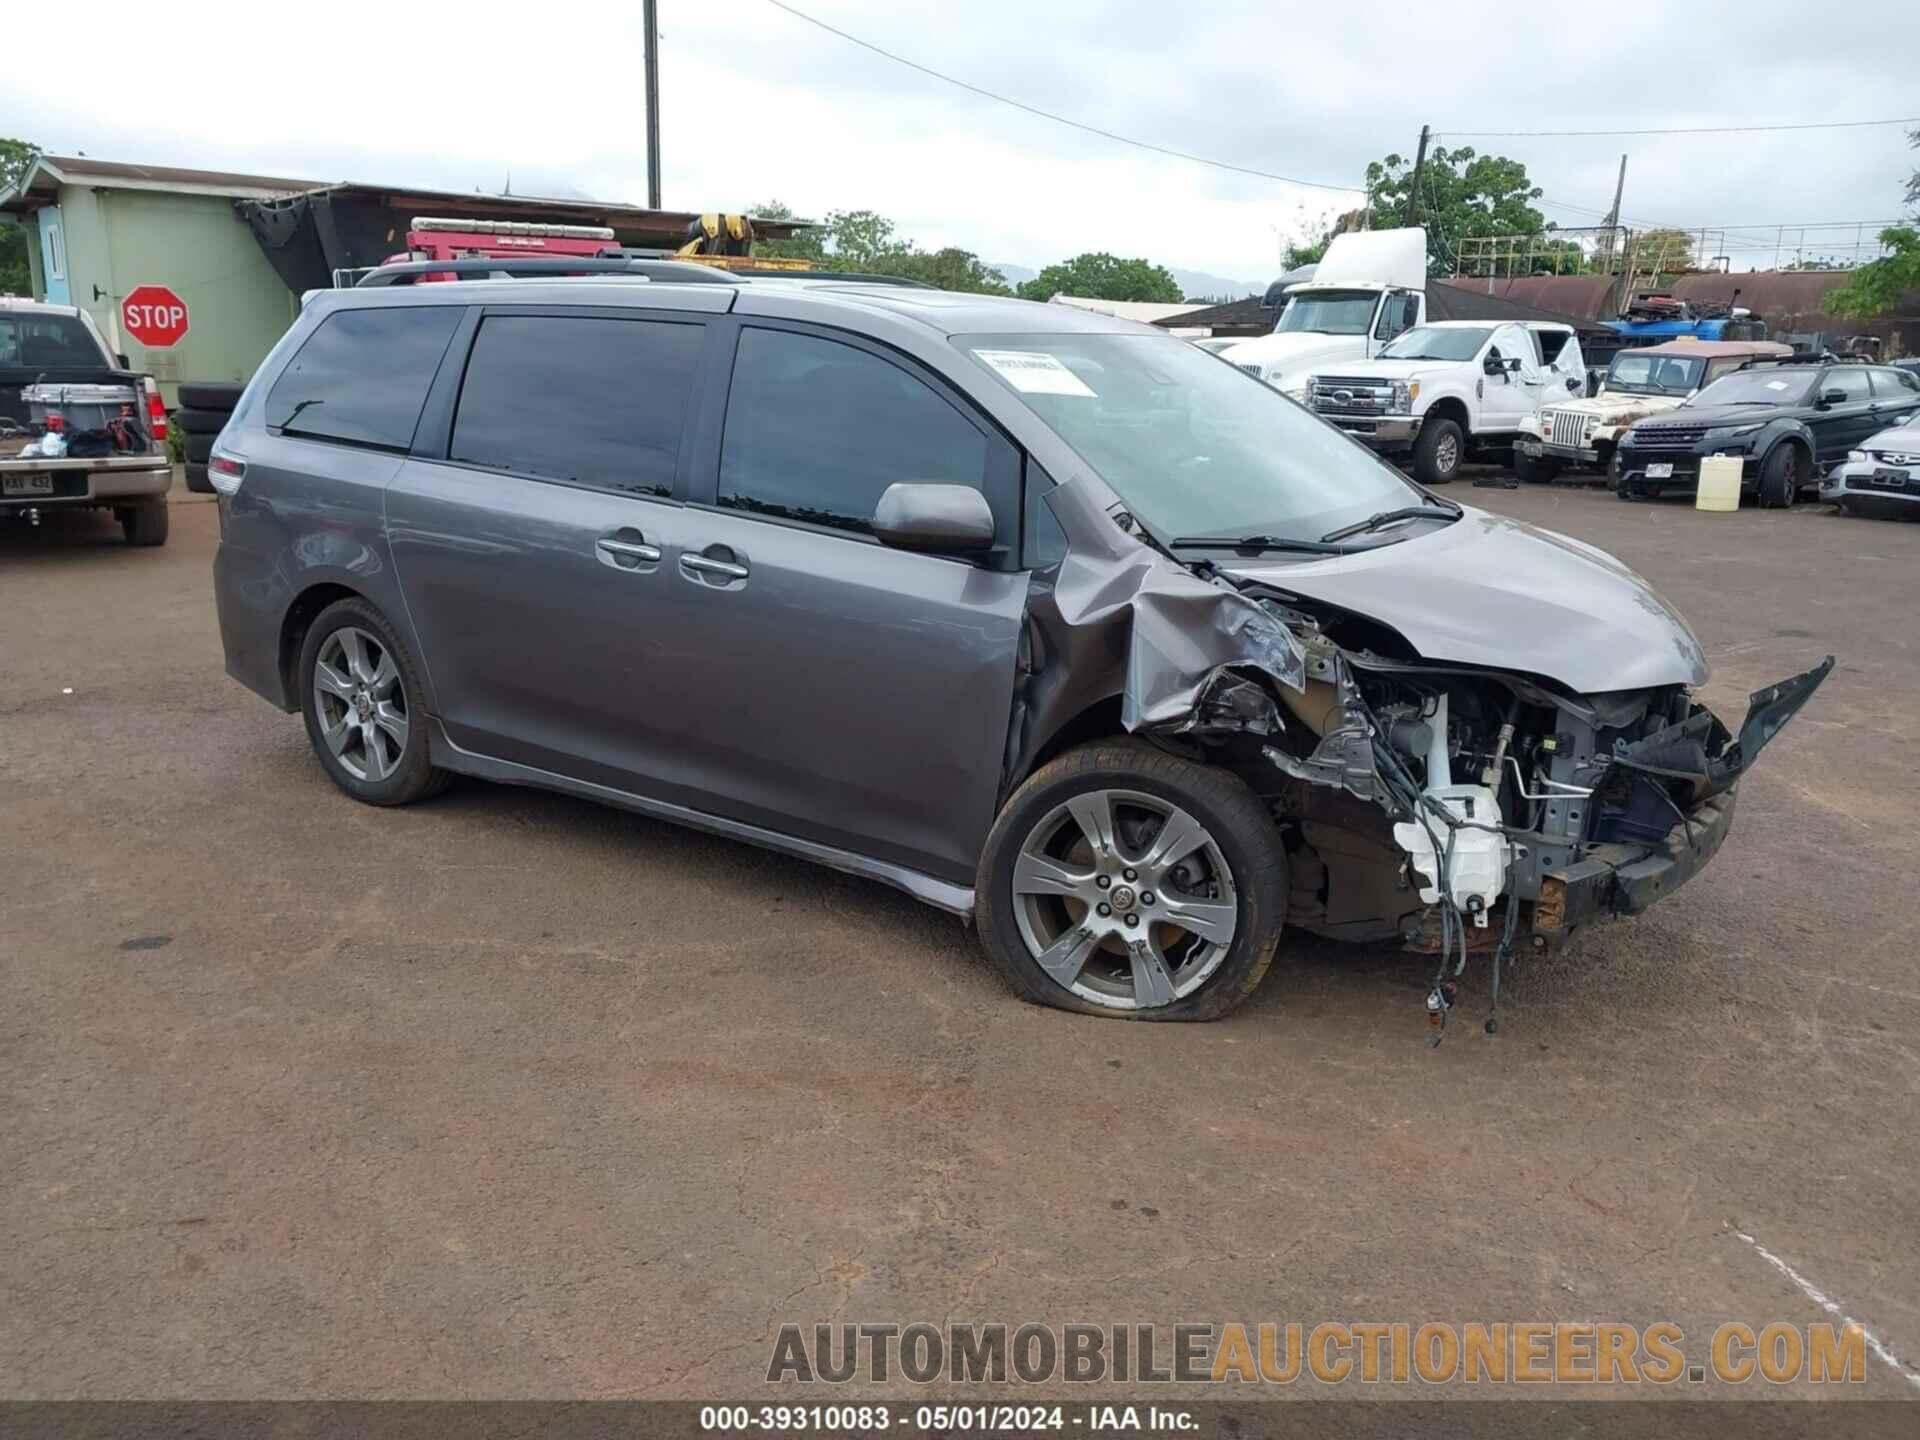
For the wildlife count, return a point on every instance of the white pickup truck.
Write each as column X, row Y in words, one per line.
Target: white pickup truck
column 1369, row 287
column 1450, row 390
column 57, row 374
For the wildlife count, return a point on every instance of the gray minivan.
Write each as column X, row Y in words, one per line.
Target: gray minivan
column 1047, row 618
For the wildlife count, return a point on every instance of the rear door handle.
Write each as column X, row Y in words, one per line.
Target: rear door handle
column 706, row 565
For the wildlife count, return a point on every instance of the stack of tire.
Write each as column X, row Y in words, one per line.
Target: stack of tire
column 205, row 407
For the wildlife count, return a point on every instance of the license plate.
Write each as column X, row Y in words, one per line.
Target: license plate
column 1660, row 472
column 1888, row 479
column 24, row 485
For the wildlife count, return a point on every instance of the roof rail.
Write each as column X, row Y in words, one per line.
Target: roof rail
column 409, row 272
column 1798, row 357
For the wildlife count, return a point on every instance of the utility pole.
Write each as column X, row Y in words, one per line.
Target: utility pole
column 1419, row 168
column 1613, row 215
column 650, row 17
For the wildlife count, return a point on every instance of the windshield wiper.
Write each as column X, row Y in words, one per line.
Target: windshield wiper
column 1389, row 517
column 1256, row 543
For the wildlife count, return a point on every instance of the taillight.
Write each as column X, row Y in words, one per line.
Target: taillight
column 156, row 410
column 225, row 473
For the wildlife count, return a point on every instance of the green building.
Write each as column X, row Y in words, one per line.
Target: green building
column 240, row 250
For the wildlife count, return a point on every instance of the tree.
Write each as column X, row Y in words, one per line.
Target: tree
column 1664, row 251
column 1877, row 286
column 1104, row 277
column 16, row 276
column 867, row 241
column 1463, row 195
column 948, row 269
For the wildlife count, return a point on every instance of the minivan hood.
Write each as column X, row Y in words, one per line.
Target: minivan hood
column 1487, row 590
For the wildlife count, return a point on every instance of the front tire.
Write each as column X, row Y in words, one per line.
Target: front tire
column 364, row 705
column 1780, row 477
column 1183, row 857
column 1438, row 451
column 1534, row 471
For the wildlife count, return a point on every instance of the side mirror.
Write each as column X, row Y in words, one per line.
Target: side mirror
column 1833, row 397
column 1494, row 365
column 1574, row 385
column 933, row 517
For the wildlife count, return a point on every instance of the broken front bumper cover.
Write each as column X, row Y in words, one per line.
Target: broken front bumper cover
column 1625, row 879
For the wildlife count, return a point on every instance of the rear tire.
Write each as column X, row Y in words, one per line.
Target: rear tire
column 368, row 725
column 1438, row 452
column 1780, row 477
column 1045, row 871
column 144, row 525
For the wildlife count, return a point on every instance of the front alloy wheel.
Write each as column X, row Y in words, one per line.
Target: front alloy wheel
column 1122, row 880
column 1124, row 899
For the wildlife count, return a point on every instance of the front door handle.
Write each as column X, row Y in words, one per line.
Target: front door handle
column 707, row 565
column 626, row 549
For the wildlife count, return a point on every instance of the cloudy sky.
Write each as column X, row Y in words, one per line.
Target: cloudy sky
column 759, row 105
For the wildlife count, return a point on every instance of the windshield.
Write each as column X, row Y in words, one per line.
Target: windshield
column 54, row 342
column 1192, row 446
column 1328, row 312
column 1766, row 386
column 1432, row 342
column 1655, row 374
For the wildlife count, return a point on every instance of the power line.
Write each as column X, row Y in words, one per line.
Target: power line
column 1062, row 119
column 1678, row 130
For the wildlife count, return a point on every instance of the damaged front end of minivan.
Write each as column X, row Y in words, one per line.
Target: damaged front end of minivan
column 1462, row 807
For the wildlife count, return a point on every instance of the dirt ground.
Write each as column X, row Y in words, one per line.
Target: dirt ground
column 511, row 1095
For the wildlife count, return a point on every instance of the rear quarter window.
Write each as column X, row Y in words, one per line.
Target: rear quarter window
column 362, row 376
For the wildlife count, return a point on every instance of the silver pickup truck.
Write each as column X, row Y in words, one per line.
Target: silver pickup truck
column 58, row 377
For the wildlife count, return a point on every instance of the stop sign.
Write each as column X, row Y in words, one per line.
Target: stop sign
column 154, row 315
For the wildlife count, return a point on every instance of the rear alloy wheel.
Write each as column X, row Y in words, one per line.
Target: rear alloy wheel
column 1124, row 881
column 359, row 695
column 1780, row 478
column 1438, row 452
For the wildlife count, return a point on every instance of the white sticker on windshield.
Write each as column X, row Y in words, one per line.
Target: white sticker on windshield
column 1036, row 373
column 1776, row 384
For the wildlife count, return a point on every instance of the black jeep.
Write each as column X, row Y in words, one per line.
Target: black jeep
column 1788, row 420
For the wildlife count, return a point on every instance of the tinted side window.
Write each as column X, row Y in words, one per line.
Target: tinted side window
column 1894, row 384
column 595, row 401
column 1848, row 378
column 817, row 431
column 363, row 375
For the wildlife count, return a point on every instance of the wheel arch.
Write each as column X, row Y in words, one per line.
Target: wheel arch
column 1450, row 407
column 299, row 618
column 1796, row 436
column 1095, row 720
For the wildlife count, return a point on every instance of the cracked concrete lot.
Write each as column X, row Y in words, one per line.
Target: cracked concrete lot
column 509, row 1095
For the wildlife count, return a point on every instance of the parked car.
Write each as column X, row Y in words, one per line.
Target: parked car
column 109, row 427
column 1042, row 616
column 1451, row 390
column 1789, row 422
column 1882, row 478
column 1581, row 433
column 1369, row 287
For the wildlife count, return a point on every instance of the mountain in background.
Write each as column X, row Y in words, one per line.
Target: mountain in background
column 1193, row 283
